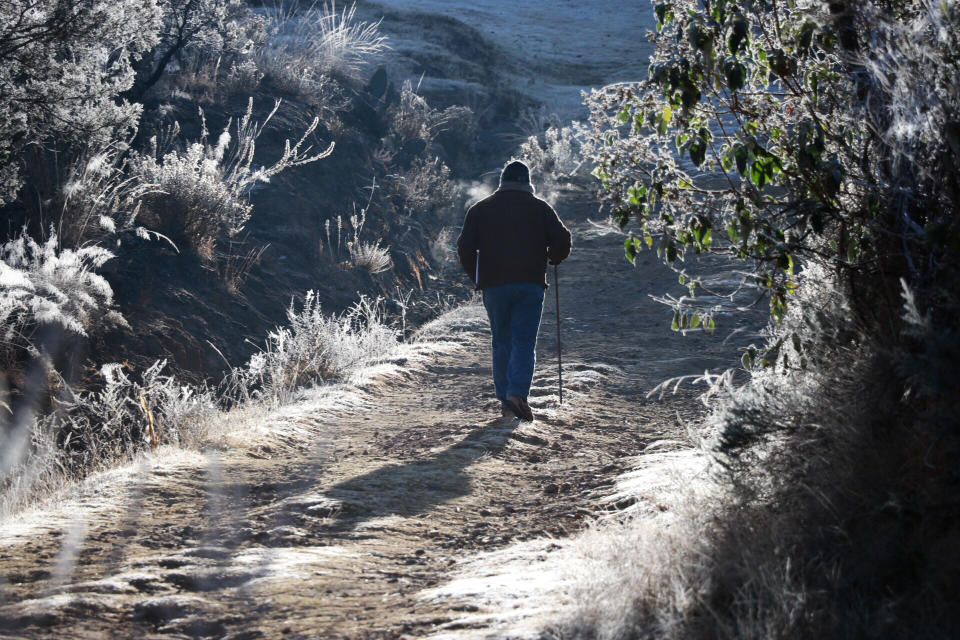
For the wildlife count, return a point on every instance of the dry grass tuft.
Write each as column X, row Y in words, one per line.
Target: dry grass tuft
column 308, row 45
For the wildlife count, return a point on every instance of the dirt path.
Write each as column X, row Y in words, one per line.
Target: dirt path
column 376, row 502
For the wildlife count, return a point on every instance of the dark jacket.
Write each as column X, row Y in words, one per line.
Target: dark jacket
column 515, row 233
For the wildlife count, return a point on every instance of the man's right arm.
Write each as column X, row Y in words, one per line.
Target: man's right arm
column 468, row 243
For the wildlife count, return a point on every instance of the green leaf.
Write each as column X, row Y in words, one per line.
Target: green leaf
column 741, row 154
column 778, row 305
column 732, row 232
column 636, row 195
column 696, row 36
column 631, row 247
column 648, row 239
column 689, row 93
column 663, row 13
column 738, row 35
column 621, row 217
column 726, row 160
column 736, row 74
column 805, row 37
column 698, row 151
column 782, row 64
column 757, row 175
column 663, row 120
column 695, row 320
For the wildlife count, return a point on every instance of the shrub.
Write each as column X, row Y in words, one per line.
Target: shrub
column 533, row 122
column 99, row 199
column 200, row 42
column 235, row 264
column 313, row 348
column 425, row 185
column 553, row 157
column 443, row 247
column 44, row 284
column 128, row 414
column 370, row 256
column 93, row 429
column 62, row 67
column 362, row 254
column 414, row 119
column 201, row 194
column 307, row 46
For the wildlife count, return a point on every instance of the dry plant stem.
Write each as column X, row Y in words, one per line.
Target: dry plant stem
column 150, row 428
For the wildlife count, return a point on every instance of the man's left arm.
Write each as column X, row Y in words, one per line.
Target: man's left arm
column 559, row 239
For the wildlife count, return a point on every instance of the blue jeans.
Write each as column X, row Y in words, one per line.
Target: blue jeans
column 514, row 311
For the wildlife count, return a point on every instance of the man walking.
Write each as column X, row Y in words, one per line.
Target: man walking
column 504, row 246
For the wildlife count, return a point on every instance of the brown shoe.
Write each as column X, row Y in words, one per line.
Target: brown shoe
column 520, row 408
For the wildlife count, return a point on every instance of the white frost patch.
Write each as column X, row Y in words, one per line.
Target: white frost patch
column 532, row 587
column 98, row 499
column 286, row 562
column 119, row 584
column 658, row 480
column 464, row 319
column 38, row 610
column 515, row 588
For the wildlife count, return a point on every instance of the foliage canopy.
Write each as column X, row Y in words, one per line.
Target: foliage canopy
column 782, row 133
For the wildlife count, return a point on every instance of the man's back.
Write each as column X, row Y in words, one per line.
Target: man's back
column 504, row 246
column 515, row 232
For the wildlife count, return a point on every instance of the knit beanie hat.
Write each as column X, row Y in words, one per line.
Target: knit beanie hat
column 515, row 171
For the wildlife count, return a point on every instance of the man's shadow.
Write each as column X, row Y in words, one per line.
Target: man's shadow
column 411, row 488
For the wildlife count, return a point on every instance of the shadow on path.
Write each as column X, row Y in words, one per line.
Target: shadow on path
column 411, row 488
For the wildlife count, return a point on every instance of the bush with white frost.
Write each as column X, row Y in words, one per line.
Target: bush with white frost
column 424, row 185
column 127, row 414
column 99, row 198
column 62, row 67
column 553, row 156
column 370, row 256
column 413, row 117
column 202, row 192
column 91, row 430
column 201, row 44
column 307, row 45
column 314, row 347
column 45, row 284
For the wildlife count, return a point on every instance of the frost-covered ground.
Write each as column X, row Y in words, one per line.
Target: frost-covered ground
column 561, row 46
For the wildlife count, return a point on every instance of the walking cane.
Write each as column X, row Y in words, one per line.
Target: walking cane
column 556, row 288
